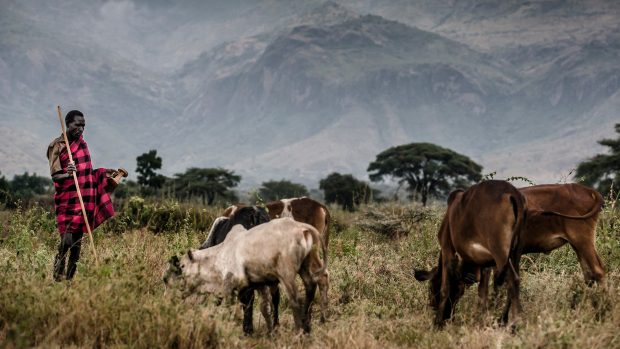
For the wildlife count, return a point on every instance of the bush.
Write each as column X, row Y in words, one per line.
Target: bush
column 166, row 217
column 391, row 220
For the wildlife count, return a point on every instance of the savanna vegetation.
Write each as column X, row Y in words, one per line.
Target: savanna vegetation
column 374, row 300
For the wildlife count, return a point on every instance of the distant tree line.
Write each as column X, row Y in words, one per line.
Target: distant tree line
column 425, row 170
column 25, row 189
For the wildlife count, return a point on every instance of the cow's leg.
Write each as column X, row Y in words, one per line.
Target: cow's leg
column 444, row 308
column 265, row 306
column 246, row 297
column 513, row 303
column 275, row 302
column 323, row 287
column 310, row 287
column 483, row 289
column 592, row 268
column 457, row 286
column 287, row 279
column 591, row 265
column 321, row 225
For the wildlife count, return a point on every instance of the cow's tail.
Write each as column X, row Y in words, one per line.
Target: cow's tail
column 598, row 206
column 316, row 238
column 518, row 203
column 325, row 235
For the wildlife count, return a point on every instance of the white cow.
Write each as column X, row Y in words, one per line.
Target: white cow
column 252, row 259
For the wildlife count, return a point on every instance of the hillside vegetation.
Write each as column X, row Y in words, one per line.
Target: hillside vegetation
column 374, row 300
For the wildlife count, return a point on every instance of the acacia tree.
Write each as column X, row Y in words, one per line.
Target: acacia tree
column 206, row 183
column 603, row 170
column 345, row 190
column 147, row 163
column 427, row 169
column 276, row 190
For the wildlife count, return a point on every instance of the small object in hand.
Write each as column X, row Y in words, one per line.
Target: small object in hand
column 115, row 176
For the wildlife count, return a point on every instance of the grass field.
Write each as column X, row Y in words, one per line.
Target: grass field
column 374, row 300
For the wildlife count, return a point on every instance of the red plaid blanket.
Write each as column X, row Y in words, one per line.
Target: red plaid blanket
column 93, row 188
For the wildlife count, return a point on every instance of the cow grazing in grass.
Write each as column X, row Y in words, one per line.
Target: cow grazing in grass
column 273, row 252
column 481, row 228
column 558, row 214
column 248, row 217
column 303, row 210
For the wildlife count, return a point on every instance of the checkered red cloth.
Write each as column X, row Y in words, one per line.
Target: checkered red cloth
column 93, row 188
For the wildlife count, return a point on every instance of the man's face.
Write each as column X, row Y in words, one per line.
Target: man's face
column 76, row 127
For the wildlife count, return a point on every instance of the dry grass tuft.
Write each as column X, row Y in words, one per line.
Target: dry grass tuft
column 393, row 221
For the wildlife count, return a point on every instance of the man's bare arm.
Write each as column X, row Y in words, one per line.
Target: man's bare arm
column 61, row 176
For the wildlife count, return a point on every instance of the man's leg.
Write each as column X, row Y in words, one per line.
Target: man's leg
column 74, row 257
column 59, row 261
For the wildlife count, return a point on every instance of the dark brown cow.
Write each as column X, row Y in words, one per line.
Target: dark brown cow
column 481, row 228
column 558, row 214
column 308, row 211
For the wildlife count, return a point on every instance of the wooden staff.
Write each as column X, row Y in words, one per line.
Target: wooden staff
column 77, row 186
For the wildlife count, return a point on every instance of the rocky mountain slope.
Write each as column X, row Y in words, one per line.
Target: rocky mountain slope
column 523, row 87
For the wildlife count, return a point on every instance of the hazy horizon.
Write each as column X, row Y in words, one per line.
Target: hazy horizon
column 299, row 89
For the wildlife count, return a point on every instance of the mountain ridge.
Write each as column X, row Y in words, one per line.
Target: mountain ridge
column 323, row 86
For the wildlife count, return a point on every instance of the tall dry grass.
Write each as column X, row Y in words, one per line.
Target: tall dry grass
column 374, row 300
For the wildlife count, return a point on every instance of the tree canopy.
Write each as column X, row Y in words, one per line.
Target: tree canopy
column 427, row 169
column 5, row 191
column 603, row 170
column 276, row 190
column 345, row 190
column 147, row 163
column 24, row 188
column 206, row 183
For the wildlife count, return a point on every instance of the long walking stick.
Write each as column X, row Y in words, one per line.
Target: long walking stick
column 77, row 186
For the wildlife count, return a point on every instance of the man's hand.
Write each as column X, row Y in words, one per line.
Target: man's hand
column 60, row 176
column 71, row 168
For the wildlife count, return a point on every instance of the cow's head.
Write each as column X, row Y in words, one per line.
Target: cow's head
column 173, row 273
column 195, row 272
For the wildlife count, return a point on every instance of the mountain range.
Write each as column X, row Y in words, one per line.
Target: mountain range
column 299, row 89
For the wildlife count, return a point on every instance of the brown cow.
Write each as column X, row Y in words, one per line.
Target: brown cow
column 308, row 211
column 558, row 214
column 481, row 228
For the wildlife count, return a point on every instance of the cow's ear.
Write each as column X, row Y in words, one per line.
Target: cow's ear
column 174, row 260
column 190, row 255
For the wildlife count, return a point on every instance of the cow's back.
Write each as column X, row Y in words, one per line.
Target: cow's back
column 568, row 199
column 303, row 210
column 484, row 220
column 547, row 226
column 265, row 247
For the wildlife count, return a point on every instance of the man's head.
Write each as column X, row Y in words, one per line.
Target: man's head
column 75, row 124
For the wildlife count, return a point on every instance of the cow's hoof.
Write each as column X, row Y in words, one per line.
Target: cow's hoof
column 248, row 331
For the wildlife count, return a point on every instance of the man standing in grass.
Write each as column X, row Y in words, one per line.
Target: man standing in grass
column 93, row 187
